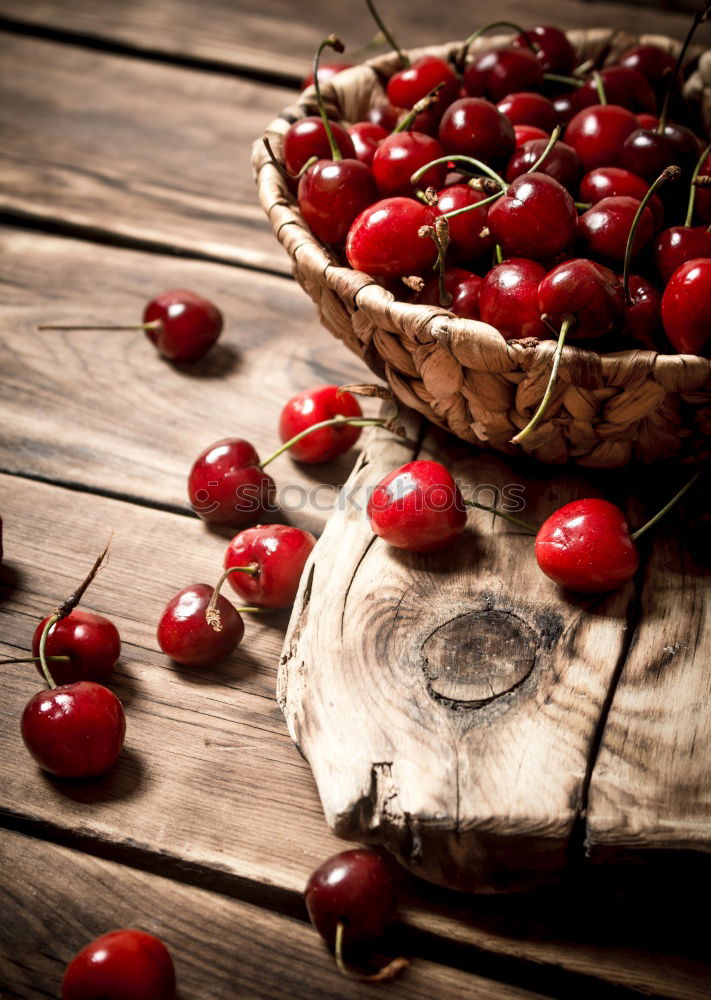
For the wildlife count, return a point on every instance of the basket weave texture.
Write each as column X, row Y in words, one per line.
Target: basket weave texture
column 607, row 410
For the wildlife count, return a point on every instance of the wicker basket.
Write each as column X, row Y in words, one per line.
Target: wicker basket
column 607, row 410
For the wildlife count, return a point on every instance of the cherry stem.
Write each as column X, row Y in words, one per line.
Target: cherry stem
column 583, row 206
column 700, row 15
column 422, row 105
column 253, row 611
column 672, row 173
column 212, row 614
column 555, row 135
column 388, row 37
column 543, row 406
column 571, row 81
column 339, row 421
column 42, row 654
column 599, row 87
column 136, row 326
column 692, row 192
column 667, row 507
column 498, row 254
column 36, row 659
column 464, row 51
column 332, row 42
column 470, row 208
column 388, row 971
column 275, row 163
column 459, row 158
column 499, row 513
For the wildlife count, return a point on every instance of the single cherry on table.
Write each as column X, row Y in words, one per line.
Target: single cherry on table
column 276, row 555
column 91, row 642
column 125, row 964
column 227, row 484
column 313, row 406
column 185, row 635
column 418, row 507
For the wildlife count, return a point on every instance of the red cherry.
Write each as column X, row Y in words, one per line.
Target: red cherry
column 647, row 152
column 502, row 71
column 418, row 507
column 355, row 889
column 589, row 292
column 508, row 299
column 91, row 641
column 553, row 50
column 279, row 552
column 75, row 730
column 463, row 286
column 398, row 157
column 686, row 307
column 562, row 163
column 525, row 132
column 467, row 243
column 527, row 108
column 566, row 106
column 188, row 324
column 536, row 218
column 647, row 121
column 675, row 246
column 384, row 240
column 598, row 133
column 652, row 62
column 410, row 85
column 385, row 115
column 624, row 86
column 326, row 72
column 226, row 485
column 474, row 127
column 606, row 226
column 185, row 635
column 642, row 315
column 332, row 193
column 121, row 965
column 307, row 137
column 586, row 546
column 606, row 182
column 366, row 137
column 311, row 407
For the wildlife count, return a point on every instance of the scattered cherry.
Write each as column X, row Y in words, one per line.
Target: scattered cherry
column 226, row 484
column 418, row 507
column 90, row 641
column 354, row 888
column 185, row 635
column 278, row 553
column 121, row 965
column 312, row 406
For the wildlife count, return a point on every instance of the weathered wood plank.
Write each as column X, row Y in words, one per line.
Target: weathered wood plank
column 101, row 409
column 278, row 38
column 136, row 149
column 55, row 900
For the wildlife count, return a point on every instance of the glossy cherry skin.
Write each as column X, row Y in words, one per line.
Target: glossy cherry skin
column 311, row 407
column 366, row 137
column 652, row 62
column 280, row 553
column 606, row 226
column 410, row 85
column 686, row 307
column 508, row 299
column 624, row 86
column 589, row 292
column 467, row 243
column 75, row 730
column 332, row 193
column 535, row 218
column 307, row 137
column 474, row 127
column 326, row 72
column 418, row 507
column 463, row 286
column 566, row 106
column 586, row 547
column 606, row 182
column 597, row 134
column 647, row 152
column 355, row 888
column 642, row 317
column 384, row 240
column 525, row 132
column 184, row 634
column 526, row 108
column 384, row 114
column 562, row 163
column 121, row 965
column 92, row 642
column 502, row 71
column 226, row 485
column 189, row 324
column 554, row 51
column 398, row 157
column 674, row 246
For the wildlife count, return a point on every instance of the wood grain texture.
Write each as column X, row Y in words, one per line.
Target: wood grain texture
column 103, row 410
column 456, row 724
column 54, row 901
column 268, row 37
column 136, row 149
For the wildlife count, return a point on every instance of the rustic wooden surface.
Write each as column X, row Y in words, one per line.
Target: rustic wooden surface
column 158, row 162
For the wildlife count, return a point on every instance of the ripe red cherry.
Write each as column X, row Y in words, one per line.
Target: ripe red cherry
column 384, row 240
column 463, row 286
column 411, row 84
column 418, row 507
column 185, row 635
column 606, row 226
column 75, row 730
column 226, row 485
column 398, row 157
column 686, row 307
column 326, row 72
column 652, row 62
column 91, row 641
column 307, row 137
column 675, row 246
column 536, row 218
column 589, row 292
column 508, row 299
column 598, row 133
column 553, row 50
column 355, row 889
column 586, row 547
column 465, row 230
column 311, row 407
column 385, row 115
column 642, row 319
column 332, row 193
column 525, row 108
column 366, row 137
column 279, row 552
column 502, row 71
column 606, row 182
column 121, row 965
column 525, row 132
column 474, row 127
column 188, row 324
column 562, row 163
column 647, row 152
column 624, row 86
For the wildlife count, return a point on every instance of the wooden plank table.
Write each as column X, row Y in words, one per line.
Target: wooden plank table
column 124, row 170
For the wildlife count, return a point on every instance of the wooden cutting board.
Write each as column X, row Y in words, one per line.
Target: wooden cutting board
column 465, row 713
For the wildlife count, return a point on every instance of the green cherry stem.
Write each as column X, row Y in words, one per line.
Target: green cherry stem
column 339, row 421
column 135, row 326
column 460, row 158
column 668, row 506
column 388, row 37
column 672, row 173
column 212, row 614
column 36, row 659
column 571, row 81
column 464, row 51
column 555, row 135
column 692, row 192
column 42, row 650
column 388, row 971
column 507, row 517
column 332, row 42
column 422, row 105
column 543, row 406
column 599, row 87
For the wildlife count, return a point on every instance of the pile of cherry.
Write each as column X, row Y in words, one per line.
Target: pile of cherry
column 465, row 168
